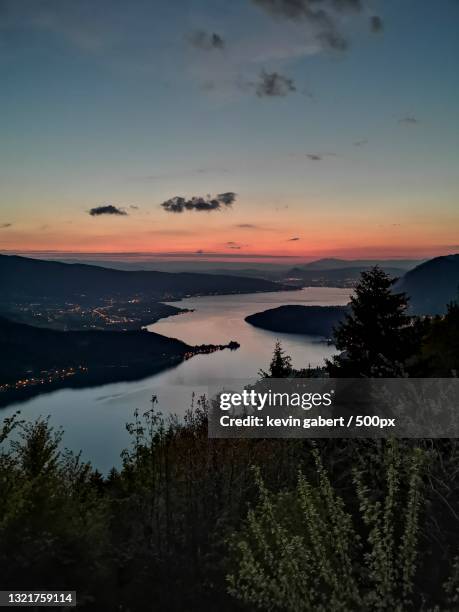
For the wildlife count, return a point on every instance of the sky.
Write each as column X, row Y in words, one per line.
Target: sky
column 237, row 130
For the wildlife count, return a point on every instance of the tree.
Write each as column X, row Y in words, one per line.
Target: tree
column 377, row 337
column 281, row 364
column 439, row 355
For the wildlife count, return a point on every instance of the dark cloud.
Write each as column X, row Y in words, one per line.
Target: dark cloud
column 5, row 225
column 107, row 209
column 322, row 14
column 247, row 226
column 360, row 143
column 199, row 204
column 293, row 239
column 272, row 84
column 333, row 39
column 376, row 24
column 207, row 41
column 314, row 156
column 409, row 120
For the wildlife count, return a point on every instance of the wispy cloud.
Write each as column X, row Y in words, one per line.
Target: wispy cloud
column 376, row 24
column 325, row 17
column 236, row 246
column 409, row 120
column 247, row 226
column 199, row 204
column 360, row 143
column 206, row 41
column 319, row 156
column 273, row 84
column 5, row 225
column 294, row 239
column 107, row 209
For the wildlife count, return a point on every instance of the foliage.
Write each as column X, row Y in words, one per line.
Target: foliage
column 305, row 550
column 280, row 366
column 336, row 525
column 439, row 354
column 377, row 337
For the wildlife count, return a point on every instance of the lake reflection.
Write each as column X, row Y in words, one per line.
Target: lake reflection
column 94, row 418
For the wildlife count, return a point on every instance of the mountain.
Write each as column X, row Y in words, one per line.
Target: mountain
column 36, row 349
column 334, row 263
column 335, row 277
column 43, row 359
column 296, row 319
column 432, row 285
column 23, row 278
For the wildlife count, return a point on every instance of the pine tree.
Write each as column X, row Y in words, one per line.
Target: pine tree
column 280, row 366
column 377, row 336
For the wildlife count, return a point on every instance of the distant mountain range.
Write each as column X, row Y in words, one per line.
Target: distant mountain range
column 335, row 277
column 432, row 285
column 25, row 278
column 325, row 272
column 336, row 264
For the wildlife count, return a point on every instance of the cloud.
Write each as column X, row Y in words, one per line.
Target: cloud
column 376, row 24
column 5, row 225
column 107, row 209
column 409, row 120
column 199, row 204
column 235, row 245
column 207, row 41
column 247, row 226
column 134, row 207
column 360, row 143
column 324, row 16
column 314, row 156
column 272, row 84
column 293, row 239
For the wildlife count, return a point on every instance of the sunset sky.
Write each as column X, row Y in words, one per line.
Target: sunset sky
column 334, row 123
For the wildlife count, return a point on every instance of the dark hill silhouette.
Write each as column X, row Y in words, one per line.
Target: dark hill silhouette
column 26, row 278
column 42, row 359
column 432, row 285
column 296, row 319
column 35, row 349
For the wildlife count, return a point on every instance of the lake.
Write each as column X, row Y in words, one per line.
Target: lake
column 94, row 418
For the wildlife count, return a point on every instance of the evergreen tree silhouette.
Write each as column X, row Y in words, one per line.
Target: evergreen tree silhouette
column 280, row 366
column 377, row 337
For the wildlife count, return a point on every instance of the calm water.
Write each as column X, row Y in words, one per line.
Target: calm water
column 94, row 418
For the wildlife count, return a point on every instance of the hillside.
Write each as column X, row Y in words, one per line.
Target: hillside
column 296, row 319
column 24, row 278
column 41, row 359
column 432, row 285
column 33, row 349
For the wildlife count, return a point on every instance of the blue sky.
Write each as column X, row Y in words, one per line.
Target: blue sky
column 133, row 103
